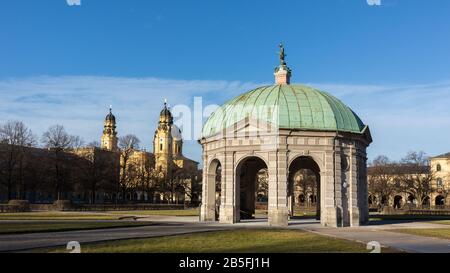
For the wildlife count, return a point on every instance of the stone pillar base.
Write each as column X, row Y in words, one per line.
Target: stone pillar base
column 207, row 213
column 330, row 217
column 278, row 217
column 355, row 217
column 227, row 215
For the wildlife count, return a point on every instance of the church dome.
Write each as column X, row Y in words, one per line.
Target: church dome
column 110, row 116
column 176, row 133
column 288, row 107
column 165, row 112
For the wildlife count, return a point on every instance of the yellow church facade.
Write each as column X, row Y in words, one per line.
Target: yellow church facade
column 164, row 168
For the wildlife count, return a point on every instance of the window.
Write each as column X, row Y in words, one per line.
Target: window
column 439, row 182
column 438, row 167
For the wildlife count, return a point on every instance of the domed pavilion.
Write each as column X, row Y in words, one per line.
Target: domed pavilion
column 284, row 128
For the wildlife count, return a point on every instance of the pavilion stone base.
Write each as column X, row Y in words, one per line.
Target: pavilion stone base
column 278, row 217
column 331, row 217
column 228, row 215
column 355, row 220
column 336, row 217
column 207, row 213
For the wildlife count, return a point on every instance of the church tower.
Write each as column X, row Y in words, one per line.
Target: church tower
column 109, row 137
column 163, row 142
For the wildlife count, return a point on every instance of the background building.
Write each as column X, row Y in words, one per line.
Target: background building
column 115, row 171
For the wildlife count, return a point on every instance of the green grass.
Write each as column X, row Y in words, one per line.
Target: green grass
column 19, row 228
column 56, row 216
column 408, row 217
column 444, row 222
column 186, row 212
column 442, row 233
column 104, row 215
column 298, row 213
column 236, row 241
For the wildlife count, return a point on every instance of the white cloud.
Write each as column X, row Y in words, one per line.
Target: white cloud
column 80, row 103
column 401, row 117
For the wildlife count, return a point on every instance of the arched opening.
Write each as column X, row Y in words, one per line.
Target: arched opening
column 252, row 181
column 301, row 200
column 439, row 200
column 304, row 180
column 398, row 202
column 215, row 186
column 411, row 199
column 426, row 201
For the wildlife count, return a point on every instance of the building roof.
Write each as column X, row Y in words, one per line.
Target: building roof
column 447, row 155
column 110, row 116
column 288, row 107
column 176, row 133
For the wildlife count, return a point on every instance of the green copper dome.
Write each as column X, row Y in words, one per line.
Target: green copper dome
column 289, row 107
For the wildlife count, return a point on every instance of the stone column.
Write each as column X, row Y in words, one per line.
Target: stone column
column 229, row 207
column 364, row 194
column 208, row 209
column 277, row 207
column 353, row 187
column 328, row 205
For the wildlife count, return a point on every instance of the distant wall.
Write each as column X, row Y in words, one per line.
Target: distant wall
column 104, row 207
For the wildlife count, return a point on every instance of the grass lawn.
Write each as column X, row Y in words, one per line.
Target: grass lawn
column 298, row 213
column 19, row 228
column 408, row 217
column 444, row 222
column 186, row 212
column 443, row 233
column 104, row 215
column 236, row 241
column 56, row 216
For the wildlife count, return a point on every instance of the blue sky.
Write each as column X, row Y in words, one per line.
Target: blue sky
column 67, row 64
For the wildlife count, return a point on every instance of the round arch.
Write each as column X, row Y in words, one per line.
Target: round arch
column 439, row 200
column 398, row 202
column 426, row 201
column 247, row 169
column 213, row 189
column 298, row 163
column 243, row 158
column 318, row 161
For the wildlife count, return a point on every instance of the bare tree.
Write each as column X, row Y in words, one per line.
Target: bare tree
column 127, row 145
column 15, row 137
column 262, row 185
column 94, row 172
column 180, row 183
column 148, row 179
column 94, row 144
column 381, row 178
column 57, row 140
column 306, row 180
column 416, row 176
column 77, row 142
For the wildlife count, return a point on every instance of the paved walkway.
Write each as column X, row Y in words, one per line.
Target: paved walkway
column 385, row 235
column 170, row 225
column 21, row 242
